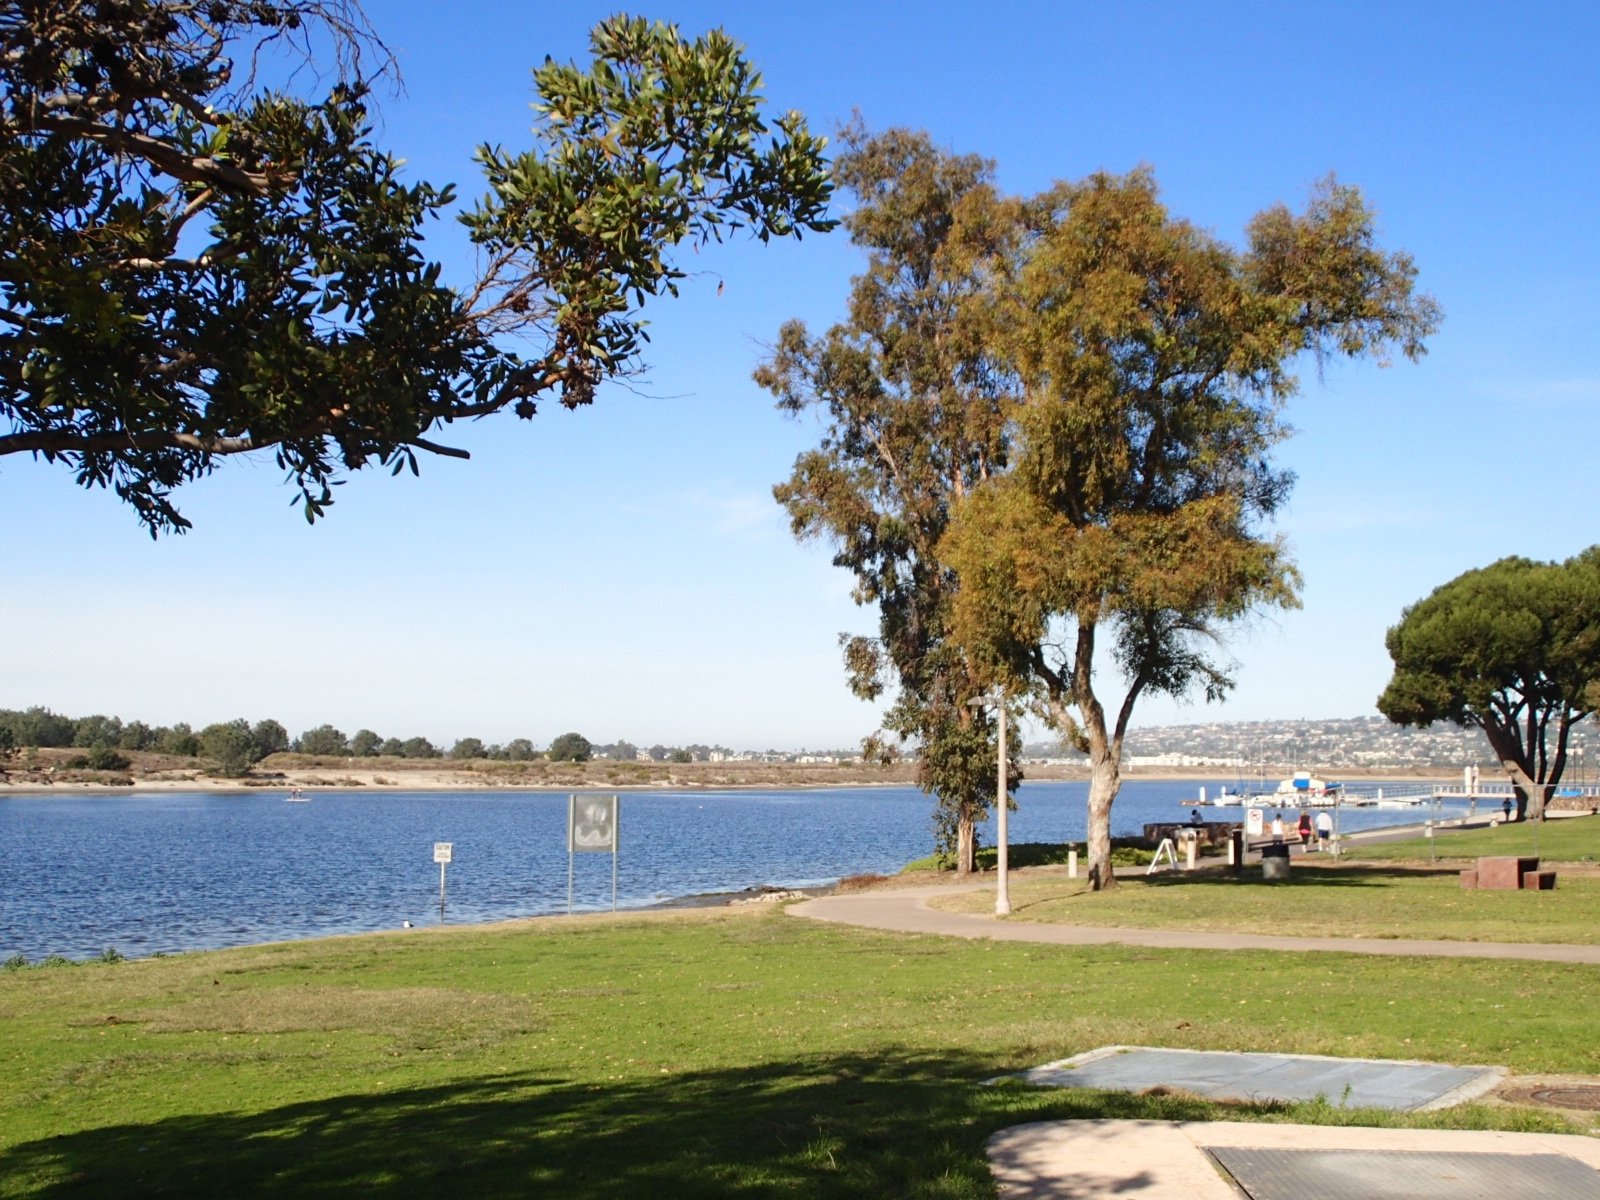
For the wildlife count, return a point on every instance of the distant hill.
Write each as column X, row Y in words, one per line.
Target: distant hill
column 1275, row 748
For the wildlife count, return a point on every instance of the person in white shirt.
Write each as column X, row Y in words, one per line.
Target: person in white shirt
column 1324, row 829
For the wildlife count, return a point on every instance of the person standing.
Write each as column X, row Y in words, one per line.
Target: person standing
column 1303, row 828
column 1324, row 829
column 1277, row 827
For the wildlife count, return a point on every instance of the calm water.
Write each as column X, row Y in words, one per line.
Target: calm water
column 187, row 871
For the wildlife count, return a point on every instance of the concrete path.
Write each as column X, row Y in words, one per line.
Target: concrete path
column 1162, row 1160
column 906, row 910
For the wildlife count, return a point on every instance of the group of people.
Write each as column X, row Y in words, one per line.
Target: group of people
column 1321, row 828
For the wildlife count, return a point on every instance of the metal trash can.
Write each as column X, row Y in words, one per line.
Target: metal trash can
column 1275, row 862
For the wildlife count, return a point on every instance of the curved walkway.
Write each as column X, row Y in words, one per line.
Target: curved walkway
column 906, row 910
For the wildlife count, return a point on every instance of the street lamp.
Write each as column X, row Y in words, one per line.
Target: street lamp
column 1002, row 895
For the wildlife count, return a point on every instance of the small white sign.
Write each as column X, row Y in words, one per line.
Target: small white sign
column 441, row 851
column 1252, row 822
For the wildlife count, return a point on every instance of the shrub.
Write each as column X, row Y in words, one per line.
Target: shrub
column 100, row 758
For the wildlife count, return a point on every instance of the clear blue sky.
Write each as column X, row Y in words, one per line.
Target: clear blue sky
column 624, row 571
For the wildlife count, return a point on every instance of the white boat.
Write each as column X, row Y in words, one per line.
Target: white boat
column 1305, row 791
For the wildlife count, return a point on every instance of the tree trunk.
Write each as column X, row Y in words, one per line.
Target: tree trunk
column 1105, row 777
column 966, row 844
column 1531, row 794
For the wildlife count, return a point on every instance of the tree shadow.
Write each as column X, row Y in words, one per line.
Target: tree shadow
column 1304, row 874
column 893, row 1123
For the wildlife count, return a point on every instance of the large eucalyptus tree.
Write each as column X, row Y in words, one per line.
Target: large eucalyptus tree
column 913, row 419
column 1152, row 361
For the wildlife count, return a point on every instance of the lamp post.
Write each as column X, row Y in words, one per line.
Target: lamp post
column 1002, row 894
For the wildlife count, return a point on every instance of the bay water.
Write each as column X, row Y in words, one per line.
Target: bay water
column 155, row 873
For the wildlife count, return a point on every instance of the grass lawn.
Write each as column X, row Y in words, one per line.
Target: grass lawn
column 1321, row 899
column 718, row 1053
column 1563, row 840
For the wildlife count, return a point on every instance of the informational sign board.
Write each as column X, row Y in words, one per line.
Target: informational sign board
column 591, row 824
column 442, row 851
column 1252, row 822
column 592, row 829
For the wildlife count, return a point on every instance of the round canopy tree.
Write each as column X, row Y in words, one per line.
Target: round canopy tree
column 570, row 747
column 1512, row 649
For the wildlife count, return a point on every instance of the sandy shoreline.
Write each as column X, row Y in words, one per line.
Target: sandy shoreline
column 593, row 777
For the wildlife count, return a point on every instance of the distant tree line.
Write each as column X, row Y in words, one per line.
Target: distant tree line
column 238, row 745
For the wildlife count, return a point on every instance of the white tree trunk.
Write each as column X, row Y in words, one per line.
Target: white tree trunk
column 966, row 845
column 1105, row 777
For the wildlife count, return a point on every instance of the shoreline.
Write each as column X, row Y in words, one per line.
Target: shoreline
column 718, row 777
column 757, row 895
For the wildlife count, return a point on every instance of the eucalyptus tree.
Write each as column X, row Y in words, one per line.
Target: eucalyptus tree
column 194, row 266
column 1152, row 362
column 913, row 419
column 1512, row 649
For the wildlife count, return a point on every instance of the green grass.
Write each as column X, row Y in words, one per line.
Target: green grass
column 721, row 1053
column 1036, row 854
column 1321, row 899
column 1566, row 839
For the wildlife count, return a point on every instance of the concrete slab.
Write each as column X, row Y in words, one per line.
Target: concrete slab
column 1172, row 1160
column 1226, row 1075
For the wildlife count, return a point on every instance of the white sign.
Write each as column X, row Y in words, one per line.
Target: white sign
column 591, row 824
column 441, row 851
column 1252, row 822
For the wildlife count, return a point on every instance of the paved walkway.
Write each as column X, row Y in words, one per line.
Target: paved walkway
column 1161, row 1160
column 906, row 910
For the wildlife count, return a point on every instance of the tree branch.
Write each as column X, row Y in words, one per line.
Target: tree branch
column 190, row 169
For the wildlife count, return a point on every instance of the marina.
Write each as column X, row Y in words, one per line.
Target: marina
column 1304, row 790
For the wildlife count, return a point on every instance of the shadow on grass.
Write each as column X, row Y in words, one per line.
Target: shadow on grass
column 1304, row 874
column 890, row 1125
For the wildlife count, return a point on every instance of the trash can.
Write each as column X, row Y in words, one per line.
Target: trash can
column 1275, row 862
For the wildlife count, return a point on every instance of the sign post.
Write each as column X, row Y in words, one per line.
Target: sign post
column 592, row 829
column 441, row 855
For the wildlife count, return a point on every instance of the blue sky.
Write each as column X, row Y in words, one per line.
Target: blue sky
column 623, row 571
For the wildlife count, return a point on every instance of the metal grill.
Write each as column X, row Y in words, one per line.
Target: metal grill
column 1271, row 1174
